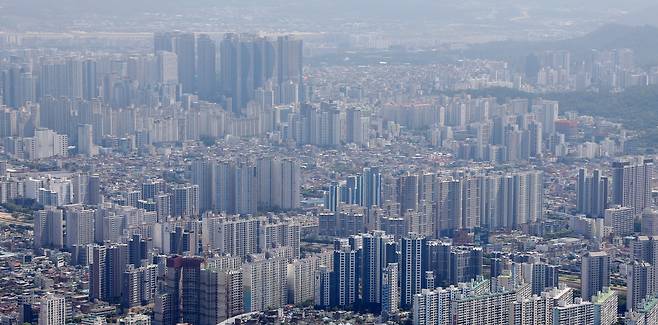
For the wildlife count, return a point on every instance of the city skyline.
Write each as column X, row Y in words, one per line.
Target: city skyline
column 379, row 162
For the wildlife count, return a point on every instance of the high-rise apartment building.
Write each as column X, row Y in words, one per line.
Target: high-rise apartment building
column 605, row 307
column 646, row 314
column 344, row 278
column 620, row 219
column 289, row 64
column 106, row 272
column 264, row 282
column 544, row 276
column 167, row 67
column 49, row 228
column 206, row 67
column 579, row 312
column 592, row 193
column 79, row 226
column 301, row 272
column 494, row 201
column 53, row 310
column 180, row 299
column 176, row 53
column 426, row 308
column 322, row 285
column 221, row 295
column 278, row 184
column 413, row 265
column 249, row 62
column 186, row 55
column 642, row 277
column 374, row 265
column 464, row 264
column 139, row 285
column 390, row 290
column 594, row 273
column 641, row 283
column 632, row 184
column 649, row 223
column 85, row 139
column 185, row 201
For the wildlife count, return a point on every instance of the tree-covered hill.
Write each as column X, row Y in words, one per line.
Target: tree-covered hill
column 636, row 108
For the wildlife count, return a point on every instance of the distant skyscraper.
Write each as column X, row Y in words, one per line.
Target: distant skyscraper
column 289, row 55
column 594, row 273
column 355, row 128
column 246, row 63
column 278, row 184
column 290, row 185
column 139, row 285
column 642, row 274
column 231, row 72
column 547, row 113
column 137, row 250
column 203, row 175
column 301, row 272
column 86, row 140
column 408, row 193
column 439, row 261
column 373, row 186
column 8, row 122
column 167, row 67
column 448, row 207
column 186, row 55
column 649, row 222
column 11, row 90
column 177, row 59
column 246, row 190
column 249, row 62
column 206, row 70
column 164, row 41
column 90, row 80
column 332, row 197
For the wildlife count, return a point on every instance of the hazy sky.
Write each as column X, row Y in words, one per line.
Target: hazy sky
column 502, row 18
column 404, row 8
